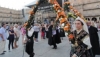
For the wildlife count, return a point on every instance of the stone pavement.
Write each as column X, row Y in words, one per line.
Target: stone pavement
column 42, row 49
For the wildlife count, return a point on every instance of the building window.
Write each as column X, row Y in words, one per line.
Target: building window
column 94, row 19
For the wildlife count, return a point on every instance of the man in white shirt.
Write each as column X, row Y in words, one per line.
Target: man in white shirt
column 17, row 35
column 36, row 28
column 3, row 38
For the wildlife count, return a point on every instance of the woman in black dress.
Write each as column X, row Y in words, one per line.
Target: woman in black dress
column 53, row 36
column 50, row 42
column 29, row 43
column 11, row 38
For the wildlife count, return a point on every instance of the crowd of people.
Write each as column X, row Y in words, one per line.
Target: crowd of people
column 10, row 33
column 85, row 42
column 46, row 31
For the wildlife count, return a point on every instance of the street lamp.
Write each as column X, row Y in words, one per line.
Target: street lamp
column 11, row 16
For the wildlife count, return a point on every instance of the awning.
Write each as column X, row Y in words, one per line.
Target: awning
column 31, row 4
column 44, row 6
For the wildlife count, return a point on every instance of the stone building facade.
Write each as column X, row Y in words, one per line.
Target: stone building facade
column 10, row 16
column 89, row 8
column 40, row 15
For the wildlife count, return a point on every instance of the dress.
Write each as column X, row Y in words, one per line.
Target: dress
column 23, row 31
column 43, row 32
column 58, row 40
column 51, row 39
column 62, row 32
column 29, row 45
column 78, row 46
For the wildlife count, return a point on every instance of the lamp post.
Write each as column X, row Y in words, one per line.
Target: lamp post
column 10, row 16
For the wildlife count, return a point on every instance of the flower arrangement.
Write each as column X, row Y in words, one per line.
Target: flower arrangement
column 62, row 20
column 32, row 13
column 71, row 36
column 66, row 6
column 61, row 16
column 56, row 7
column 76, row 12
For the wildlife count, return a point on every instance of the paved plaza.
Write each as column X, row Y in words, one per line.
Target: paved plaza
column 42, row 49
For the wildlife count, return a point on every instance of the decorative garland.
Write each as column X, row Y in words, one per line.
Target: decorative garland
column 61, row 16
column 32, row 13
column 76, row 12
column 71, row 15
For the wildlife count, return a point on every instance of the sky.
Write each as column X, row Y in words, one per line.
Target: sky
column 15, row 4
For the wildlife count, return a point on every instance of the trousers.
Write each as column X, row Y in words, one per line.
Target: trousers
column 11, row 41
column 2, row 46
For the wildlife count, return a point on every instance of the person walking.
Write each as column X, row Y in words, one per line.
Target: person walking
column 29, row 42
column 11, row 38
column 43, row 32
column 94, row 38
column 3, row 38
column 23, row 32
column 61, row 32
column 17, row 35
column 46, row 30
column 80, row 41
column 36, row 29
column 53, row 34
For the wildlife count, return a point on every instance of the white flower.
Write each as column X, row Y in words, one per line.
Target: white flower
column 59, row 11
column 66, row 33
column 60, row 19
column 62, row 25
column 54, row 5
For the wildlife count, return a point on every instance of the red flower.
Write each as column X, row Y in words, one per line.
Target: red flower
column 70, row 36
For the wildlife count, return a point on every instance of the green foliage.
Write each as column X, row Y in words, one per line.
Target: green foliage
column 30, row 21
column 71, row 15
column 66, row 7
